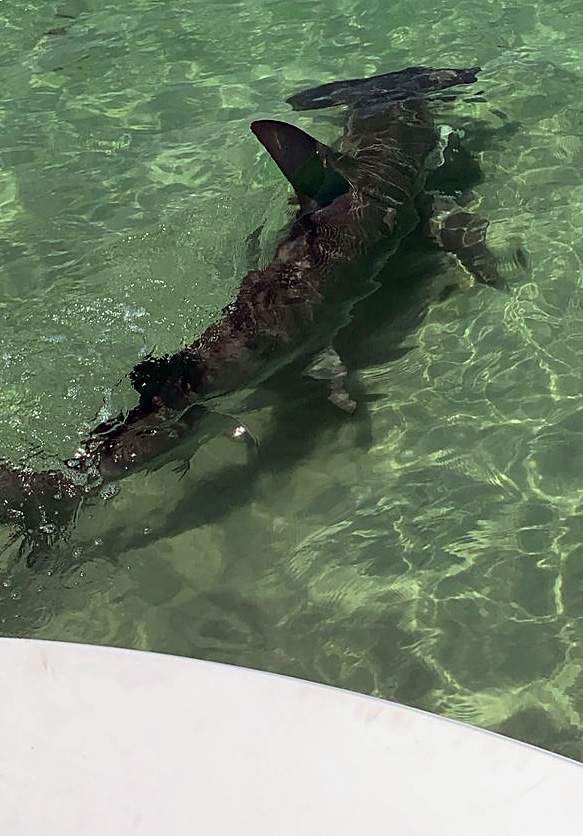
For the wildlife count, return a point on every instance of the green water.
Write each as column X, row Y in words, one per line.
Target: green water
column 427, row 550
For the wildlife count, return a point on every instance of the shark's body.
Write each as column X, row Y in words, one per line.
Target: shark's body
column 355, row 205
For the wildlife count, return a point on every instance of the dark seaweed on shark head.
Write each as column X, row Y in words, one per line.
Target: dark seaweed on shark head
column 356, row 203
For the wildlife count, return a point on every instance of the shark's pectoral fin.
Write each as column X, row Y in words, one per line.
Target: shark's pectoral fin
column 463, row 234
column 309, row 165
column 329, row 367
column 230, row 426
column 211, row 423
column 241, row 433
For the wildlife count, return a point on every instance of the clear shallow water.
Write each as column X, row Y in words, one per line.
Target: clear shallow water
column 428, row 550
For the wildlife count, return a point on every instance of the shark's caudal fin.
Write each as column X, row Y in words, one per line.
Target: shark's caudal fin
column 309, row 165
column 404, row 84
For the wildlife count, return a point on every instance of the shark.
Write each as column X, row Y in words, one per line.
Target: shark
column 356, row 202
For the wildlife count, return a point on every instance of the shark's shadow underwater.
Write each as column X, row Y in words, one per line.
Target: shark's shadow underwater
column 356, row 205
column 379, row 333
column 300, row 413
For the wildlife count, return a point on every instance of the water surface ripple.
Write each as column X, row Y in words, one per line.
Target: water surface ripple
column 428, row 551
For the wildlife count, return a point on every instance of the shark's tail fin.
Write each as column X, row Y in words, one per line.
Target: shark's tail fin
column 404, row 84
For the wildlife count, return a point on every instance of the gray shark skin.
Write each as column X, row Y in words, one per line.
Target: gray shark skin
column 356, row 204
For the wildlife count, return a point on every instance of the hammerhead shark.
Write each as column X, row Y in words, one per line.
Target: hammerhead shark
column 356, row 202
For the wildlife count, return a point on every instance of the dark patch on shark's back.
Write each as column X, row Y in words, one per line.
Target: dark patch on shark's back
column 168, row 378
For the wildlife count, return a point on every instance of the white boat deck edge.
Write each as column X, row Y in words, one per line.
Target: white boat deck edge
column 105, row 742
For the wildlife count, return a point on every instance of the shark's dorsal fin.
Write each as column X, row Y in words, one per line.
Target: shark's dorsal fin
column 305, row 162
